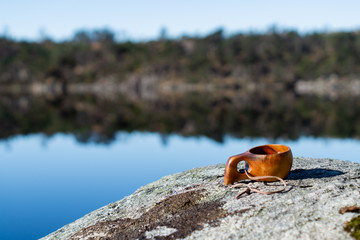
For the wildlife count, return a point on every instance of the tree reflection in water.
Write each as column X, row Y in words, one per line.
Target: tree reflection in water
column 97, row 118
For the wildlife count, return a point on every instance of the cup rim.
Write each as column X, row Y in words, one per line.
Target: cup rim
column 270, row 145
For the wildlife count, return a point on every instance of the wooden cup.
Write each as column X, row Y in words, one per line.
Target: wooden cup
column 265, row 160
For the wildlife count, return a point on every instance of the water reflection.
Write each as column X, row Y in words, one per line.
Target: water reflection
column 96, row 118
column 47, row 182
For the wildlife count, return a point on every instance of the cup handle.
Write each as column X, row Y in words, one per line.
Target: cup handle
column 231, row 172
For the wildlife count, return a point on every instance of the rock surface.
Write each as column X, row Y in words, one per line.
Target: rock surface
column 196, row 205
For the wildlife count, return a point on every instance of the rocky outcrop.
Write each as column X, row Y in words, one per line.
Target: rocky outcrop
column 332, row 86
column 196, row 205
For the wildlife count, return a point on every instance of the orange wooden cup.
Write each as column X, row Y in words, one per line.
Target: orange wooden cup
column 265, row 160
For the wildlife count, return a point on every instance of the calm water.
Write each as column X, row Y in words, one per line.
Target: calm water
column 46, row 183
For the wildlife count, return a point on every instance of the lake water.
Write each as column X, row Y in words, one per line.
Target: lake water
column 48, row 182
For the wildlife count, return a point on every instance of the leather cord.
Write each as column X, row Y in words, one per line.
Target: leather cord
column 248, row 189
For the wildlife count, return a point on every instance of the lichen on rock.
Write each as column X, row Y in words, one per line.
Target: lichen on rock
column 353, row 227
column 183, row 213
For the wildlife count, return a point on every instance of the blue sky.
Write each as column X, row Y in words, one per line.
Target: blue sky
column 143, row 19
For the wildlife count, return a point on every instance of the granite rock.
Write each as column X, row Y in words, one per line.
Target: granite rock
column 197, row 205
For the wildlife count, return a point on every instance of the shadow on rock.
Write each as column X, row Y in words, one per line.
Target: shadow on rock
column 298, row 174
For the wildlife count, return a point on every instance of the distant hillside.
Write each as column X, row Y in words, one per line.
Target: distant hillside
column 282, row 57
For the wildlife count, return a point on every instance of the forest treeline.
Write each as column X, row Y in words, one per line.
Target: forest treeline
column 96, row 56
column 273, row 56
